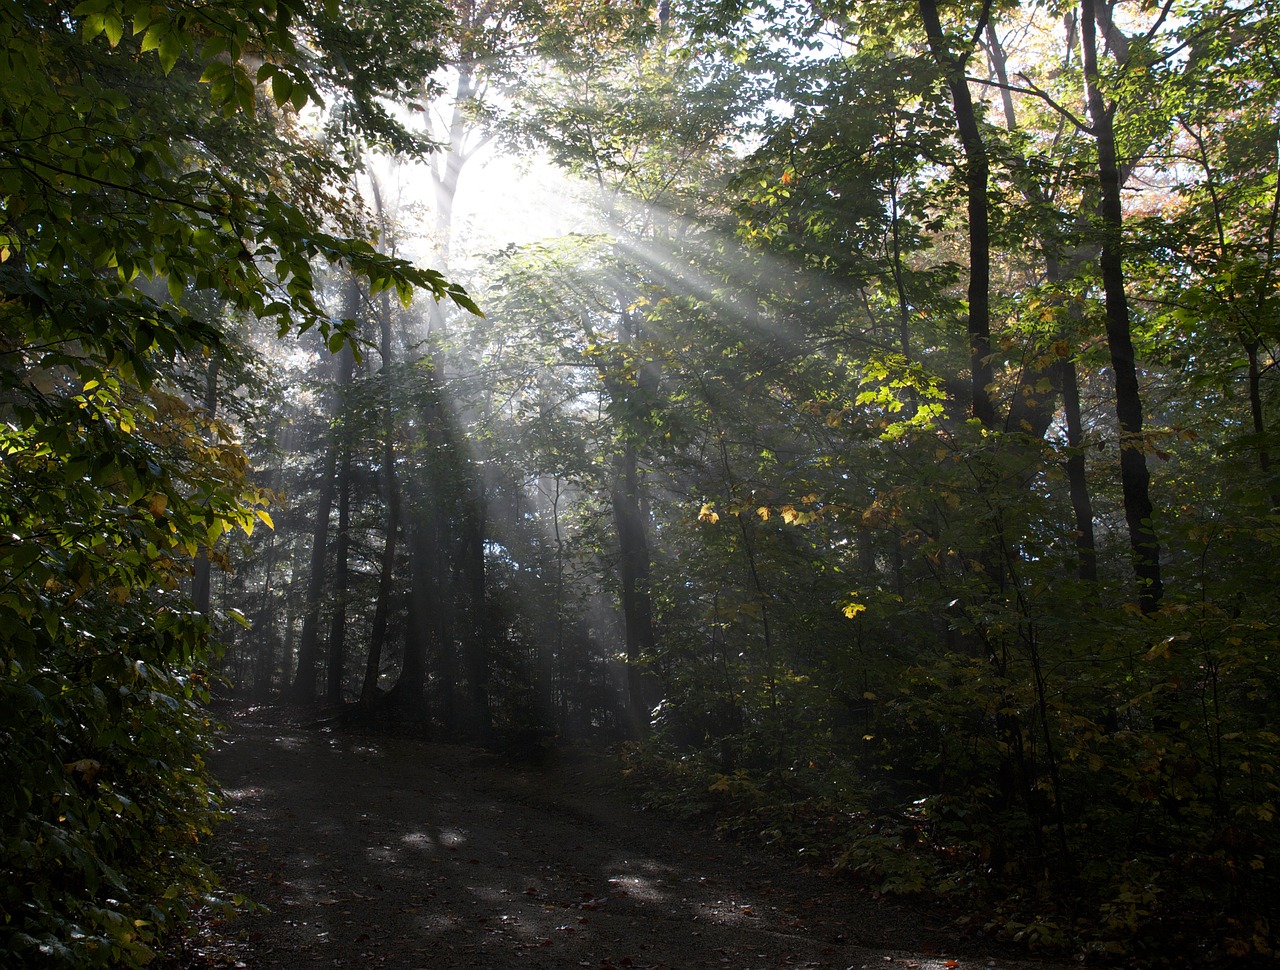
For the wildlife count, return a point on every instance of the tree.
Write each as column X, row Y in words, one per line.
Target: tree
column 977, row 168
column 647, row 125
column 1139, row 510
column 138, row 168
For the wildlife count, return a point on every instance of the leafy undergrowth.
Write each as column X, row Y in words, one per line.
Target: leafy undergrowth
column 1126, row 916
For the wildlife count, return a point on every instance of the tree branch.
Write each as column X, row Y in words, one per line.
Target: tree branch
column 1044, row 96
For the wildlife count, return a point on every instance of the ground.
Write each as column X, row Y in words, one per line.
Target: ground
column 386, row 852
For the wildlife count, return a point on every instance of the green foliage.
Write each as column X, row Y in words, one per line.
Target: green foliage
column 107, row 494
column 148, row 192
column 869, row 608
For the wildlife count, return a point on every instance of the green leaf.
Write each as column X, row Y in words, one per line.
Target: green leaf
column 113, row 27
column 170, row 50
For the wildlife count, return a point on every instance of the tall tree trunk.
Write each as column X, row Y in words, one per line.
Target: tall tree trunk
column 304, row 682
column 1251, row 345
column 462, row 138
column 446, row 171
column 1134, row 478
column 386, row 583
column 476, row 646
column 447, row 661
column 1077, row 480
column 1031, row 409
column 551, row 645
column 200, row 584
column 336, row 673
column 633, row 563
column 407, row 693
column 391, row 487
column 977, row 171
column 265, row 628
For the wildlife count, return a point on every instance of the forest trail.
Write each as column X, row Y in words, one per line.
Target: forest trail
column 384, row 852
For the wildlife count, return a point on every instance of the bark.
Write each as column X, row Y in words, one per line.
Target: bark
column 391, row 489
column 552, row 644
column 1031, row 410
column 1077, row 479
column 304, row 682
column 1134, row 476
column 995, row 52
column 1251, row 347
column 338, row 625
column 446, row 171
column 633, row 564
column 476, row 648
column 447, row 662
column 460, row 137
column 200, row 583
column 977, row 171
column 265, row 628
column 407, row 694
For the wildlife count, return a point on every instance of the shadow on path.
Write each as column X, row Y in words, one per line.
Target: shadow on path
column 392, row 853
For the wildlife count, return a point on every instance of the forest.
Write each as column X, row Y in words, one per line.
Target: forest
column 863, row 423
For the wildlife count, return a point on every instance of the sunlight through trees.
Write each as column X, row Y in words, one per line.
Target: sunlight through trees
column 885, row 463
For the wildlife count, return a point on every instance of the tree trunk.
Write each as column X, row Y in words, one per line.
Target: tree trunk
column 1077, row 480
column 476, row 646
column 977, row 170
column 304, row 683
column 265, row 629
column 1031, row 410
column 200, row 584
column 447, row 663
column 1134, row 477
column 391, row 486
column 407, row 693
column 1251, row 346
column 336, row 673
column 637, row 609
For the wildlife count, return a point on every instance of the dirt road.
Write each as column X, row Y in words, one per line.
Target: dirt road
column 391, row 853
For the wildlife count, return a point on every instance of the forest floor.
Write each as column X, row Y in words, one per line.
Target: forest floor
column 387, row 852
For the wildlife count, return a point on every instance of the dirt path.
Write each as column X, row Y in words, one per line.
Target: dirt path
column 391, row 853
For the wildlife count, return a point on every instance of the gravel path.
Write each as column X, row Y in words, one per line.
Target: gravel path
column 392, row 853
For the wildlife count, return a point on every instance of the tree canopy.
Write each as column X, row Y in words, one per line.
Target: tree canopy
column 156, row 187
column 887, row 462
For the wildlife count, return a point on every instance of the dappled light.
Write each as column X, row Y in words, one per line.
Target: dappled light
column 463, row 860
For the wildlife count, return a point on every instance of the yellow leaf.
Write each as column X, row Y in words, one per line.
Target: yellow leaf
column 262, row 514
column 709, row 513
column 85, row 767
column 763, row 512
column 158, row 502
